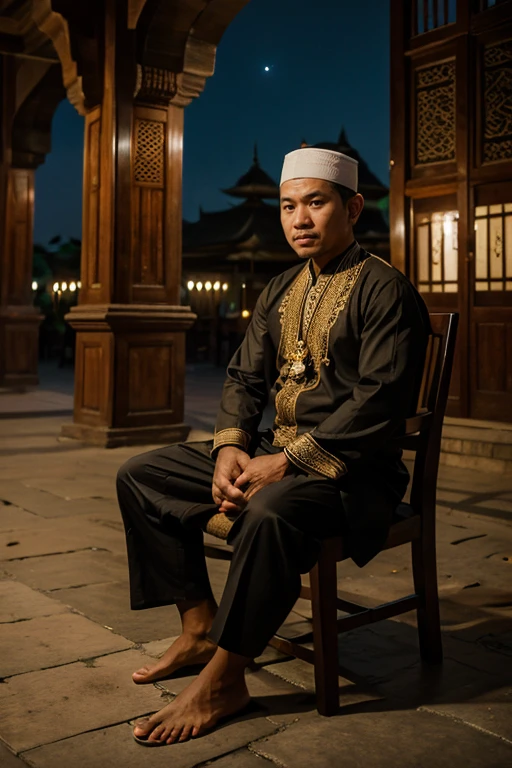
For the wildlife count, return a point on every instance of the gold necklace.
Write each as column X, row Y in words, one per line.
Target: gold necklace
column 296, row 368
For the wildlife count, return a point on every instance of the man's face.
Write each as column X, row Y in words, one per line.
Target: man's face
column 315, row 220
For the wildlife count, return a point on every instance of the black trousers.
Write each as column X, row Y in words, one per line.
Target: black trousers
column 165, row 499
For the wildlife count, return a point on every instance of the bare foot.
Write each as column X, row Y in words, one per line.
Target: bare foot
column 186, row 650
column 196, row 709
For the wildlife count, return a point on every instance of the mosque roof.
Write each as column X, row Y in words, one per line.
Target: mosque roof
column 255, row 183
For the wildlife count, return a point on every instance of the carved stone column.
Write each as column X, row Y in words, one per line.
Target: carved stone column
column 130, row 351
column 19, row 320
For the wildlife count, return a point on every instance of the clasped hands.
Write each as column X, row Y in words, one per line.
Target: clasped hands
column 237, row 477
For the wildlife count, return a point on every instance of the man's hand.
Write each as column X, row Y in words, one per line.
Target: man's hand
column 262, row 471
column 231, row 463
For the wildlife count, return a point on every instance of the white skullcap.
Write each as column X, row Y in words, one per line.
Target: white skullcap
column 314, row 163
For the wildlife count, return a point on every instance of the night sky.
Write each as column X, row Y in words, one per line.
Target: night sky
column 328, row 66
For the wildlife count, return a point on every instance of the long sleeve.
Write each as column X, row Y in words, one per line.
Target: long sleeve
column 394, row 335
column 246, row 388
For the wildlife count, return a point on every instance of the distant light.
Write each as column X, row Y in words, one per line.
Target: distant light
column 208, row 286
column 245, row 313
column 55, row 287
column 243, row 285
column 34, row 285
column 190, row 285
column 267, row 69
column 199, row 286
column 216, row 286
column 225, row 287
column 79, row 284
column 72, row 286
column 64, row 286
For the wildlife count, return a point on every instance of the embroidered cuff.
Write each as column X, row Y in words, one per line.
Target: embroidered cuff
column 306, row 454
column 232, row 436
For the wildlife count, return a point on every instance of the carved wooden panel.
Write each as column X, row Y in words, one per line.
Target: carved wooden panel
column 21, row 349
column 91, row 217
column 497, row 134
column 148, row 199
column 150, row 378
column 18, row 235
column 93, row 377
column 493, row 356
column 149, row 152
column 435, row 113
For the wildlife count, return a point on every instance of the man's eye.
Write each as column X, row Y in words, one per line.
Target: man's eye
column 287, row 207
column 316, row 203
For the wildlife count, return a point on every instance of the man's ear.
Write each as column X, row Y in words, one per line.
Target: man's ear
column 355, row 205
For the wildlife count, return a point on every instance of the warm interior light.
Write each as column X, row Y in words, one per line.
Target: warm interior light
column 55, row 287
column 208, row 286
column 243, row 285
column 245, row 313
column 72, row 286
column 64, row 286
column 216, row 286
column 225, row 287
column 34, row 285
column 190, row 285
column 199, row 286
column 79, row 284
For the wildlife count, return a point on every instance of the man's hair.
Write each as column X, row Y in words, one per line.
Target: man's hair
column 344, row 192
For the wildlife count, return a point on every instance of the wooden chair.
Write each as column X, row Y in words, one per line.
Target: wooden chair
column 415, row 525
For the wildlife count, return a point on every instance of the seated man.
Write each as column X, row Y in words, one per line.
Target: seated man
column 339, row 340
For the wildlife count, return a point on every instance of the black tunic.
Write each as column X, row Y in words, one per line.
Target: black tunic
column 364, row 328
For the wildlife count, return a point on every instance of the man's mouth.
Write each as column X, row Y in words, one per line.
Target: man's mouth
column 304, row 238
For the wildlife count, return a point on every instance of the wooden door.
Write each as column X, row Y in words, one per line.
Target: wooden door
column 451, row 183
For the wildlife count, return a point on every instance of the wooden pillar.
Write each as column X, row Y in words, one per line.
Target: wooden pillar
column 130, row 351
column 19, row 319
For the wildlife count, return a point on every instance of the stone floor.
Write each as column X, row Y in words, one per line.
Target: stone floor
column 69, row 641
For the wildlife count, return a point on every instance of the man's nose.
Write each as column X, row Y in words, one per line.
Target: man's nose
column 302, row 218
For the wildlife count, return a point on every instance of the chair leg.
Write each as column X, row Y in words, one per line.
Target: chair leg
column 324, row 608
column 425, row 584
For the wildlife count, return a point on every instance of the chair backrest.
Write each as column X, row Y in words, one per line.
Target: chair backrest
column 423, row 431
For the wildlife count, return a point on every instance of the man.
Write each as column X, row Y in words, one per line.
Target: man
column 339, row 340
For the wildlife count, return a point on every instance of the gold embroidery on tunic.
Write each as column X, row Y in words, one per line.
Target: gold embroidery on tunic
column 307, row 454
column 231, row 436
column 320, row 313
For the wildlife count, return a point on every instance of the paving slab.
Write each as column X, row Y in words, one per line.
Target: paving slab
column 45, row 706
column 114, row 747
column 242, row 758
column 109, row 605
column 9, row 760
column 18, row 602
column 490, row 711
column 51, row 640
column 380, row 738
column 69, row 535
column 75, row 569
column 13, row 517
column 48, row 504
column 76, row 486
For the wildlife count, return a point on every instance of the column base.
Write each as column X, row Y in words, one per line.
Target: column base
column 19, row 347
column 117, row 437
column 129, row 374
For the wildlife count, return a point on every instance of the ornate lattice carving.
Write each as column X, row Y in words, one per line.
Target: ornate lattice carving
column 149, row 152
column 435, row 113
column 155, row 85
column 497, row 139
